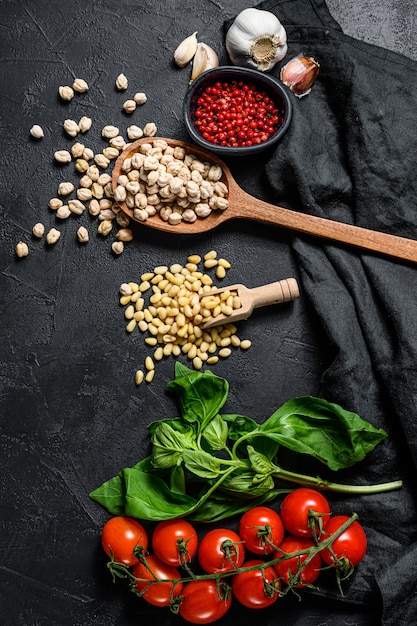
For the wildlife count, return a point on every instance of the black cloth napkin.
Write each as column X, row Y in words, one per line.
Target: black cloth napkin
column 350, row 155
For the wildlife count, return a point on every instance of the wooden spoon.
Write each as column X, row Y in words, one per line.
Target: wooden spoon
column 243, row 205
column 250, row 299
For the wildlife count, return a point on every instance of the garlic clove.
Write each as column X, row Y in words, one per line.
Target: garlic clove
column 299, row 74
column 205, row 58
column 186, row 50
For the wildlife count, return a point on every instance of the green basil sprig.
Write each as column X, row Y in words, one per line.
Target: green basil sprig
column 207, row 466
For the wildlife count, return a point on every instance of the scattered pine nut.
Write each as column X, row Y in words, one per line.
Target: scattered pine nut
column 176, row 307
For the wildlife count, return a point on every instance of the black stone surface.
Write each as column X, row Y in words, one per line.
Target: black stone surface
column 71, row 415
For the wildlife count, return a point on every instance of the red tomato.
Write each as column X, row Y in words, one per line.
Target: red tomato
column 250, row 589
column 220, row 550
column 261, row 529
column 174, row 541
column 289, row 567
column 351, row 544
column 158, row 594
column 120, row 536
column 295, row 512
column 201, row 602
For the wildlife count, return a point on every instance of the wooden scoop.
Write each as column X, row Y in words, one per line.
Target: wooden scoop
column 250, row 299
column 243, row 205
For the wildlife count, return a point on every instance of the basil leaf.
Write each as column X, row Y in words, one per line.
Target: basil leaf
column 200, row 395
column 202, row 463
column 239, row 425
column 177, row 480
column 168, row 445
column 259, row 462
column 326, row 431
column 111, row 495
column 216, row 433
column 177, row 424
column 248, row 483
column 220, row 506
column 149, row 498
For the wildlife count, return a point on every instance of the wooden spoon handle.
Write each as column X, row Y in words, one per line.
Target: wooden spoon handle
column 247, row 206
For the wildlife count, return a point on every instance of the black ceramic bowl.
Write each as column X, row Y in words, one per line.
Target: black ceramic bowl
column 226, row 74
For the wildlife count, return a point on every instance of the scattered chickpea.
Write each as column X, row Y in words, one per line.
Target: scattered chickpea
column 53, row 236
column 62, row 156
column 66, row 93
column 63, row 212
column 121, row 82
column 105, row 227
column 80, row 85
column 82, row 234
column 125, row 289
column 124, row 234
column 85, row 124
column 38, row 230
column 134, row 132
column 37, row 131
column 109, row 132
column 129, row 106
column 22, row 249
column 64, row 189
column 77, row 150
column 117, row 247
column 140, row 98
column 150, row 129
column 55, row 203
column 71, row 128
column 81, row 165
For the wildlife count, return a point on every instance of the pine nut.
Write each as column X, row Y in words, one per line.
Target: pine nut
column 130, row 327
column 176, row 307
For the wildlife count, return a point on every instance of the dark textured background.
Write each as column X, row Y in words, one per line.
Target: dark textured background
column 71, row 415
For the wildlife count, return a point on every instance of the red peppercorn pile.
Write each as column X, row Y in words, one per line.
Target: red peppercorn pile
column 236, row 114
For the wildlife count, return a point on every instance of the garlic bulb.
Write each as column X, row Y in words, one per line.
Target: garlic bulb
column 204, row 59
column 256, row 39
column 299, row 74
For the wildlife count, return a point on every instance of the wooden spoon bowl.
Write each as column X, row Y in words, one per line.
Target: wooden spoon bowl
column 244, row 206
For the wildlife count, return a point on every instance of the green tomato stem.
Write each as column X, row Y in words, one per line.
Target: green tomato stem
column 325, row 485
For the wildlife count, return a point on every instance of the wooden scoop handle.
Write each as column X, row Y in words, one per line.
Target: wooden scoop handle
column 274, row 293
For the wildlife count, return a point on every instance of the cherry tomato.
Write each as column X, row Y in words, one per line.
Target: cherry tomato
column 255, row 589
column 157, row 594
column 351, row 544
column 288, row 568
column 220, row 550
column 204, row 602
column 174, row 541
column 119, row 537
column 295, row 512
column 261, row 529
